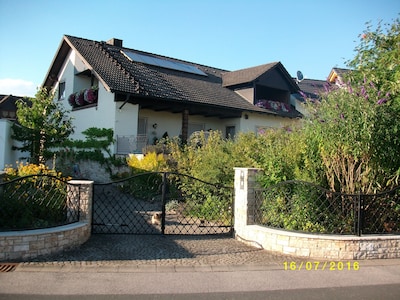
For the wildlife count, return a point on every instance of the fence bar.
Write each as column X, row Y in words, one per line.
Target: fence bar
column 164, row 201
column 359, row 207
column 361, row 214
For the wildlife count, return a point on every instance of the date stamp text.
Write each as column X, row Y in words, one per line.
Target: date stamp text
column 321, row 266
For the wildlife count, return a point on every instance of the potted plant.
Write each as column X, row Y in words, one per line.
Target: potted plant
column 71, row 100
column 90, row 95
column 79, row 98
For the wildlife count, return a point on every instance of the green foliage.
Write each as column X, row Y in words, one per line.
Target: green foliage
column 142, row 185
column 354, row 128
column 304, row 207
column 211, row 158
column 29, row 202
column 349, row 143
column 146, row 181
column 42, row 124
column 95, row 147
column 376, row 62
column 377, row 57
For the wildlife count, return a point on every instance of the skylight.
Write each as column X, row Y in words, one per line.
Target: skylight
column 163, row 63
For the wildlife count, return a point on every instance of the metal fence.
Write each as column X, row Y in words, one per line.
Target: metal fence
column 302, row 206
column 162, row 203
column 37, row 201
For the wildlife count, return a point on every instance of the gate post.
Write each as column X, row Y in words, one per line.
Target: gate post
column 81, row 192
column 245, row 183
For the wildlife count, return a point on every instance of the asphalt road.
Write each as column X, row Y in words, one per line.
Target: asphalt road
column 374, row 280
column 384, row 292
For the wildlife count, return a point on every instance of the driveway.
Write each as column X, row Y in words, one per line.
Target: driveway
column 165, row 250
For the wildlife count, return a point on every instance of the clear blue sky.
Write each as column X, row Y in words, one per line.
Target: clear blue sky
column 311, row 36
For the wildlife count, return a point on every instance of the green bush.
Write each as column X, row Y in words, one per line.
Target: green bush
column 32, row 201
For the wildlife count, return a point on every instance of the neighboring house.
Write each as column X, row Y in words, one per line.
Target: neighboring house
column 8, row 107
column 8, row 111
column 336, row 76
column 310, row 89
column 144, row 96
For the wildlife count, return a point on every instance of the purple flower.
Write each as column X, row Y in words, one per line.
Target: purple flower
column 79, row 99
column 303, row 94
column 381, row 101
column 90, row 95
column 342, row 116
column 363, row 92
column 350, row 89
column 372, row 85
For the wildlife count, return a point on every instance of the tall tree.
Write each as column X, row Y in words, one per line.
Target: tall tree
column 377, row 57
column 42, row 124
column 357, row 129
column 377, row 61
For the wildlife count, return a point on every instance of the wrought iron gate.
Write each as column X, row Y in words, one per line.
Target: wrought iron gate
column 162, row 203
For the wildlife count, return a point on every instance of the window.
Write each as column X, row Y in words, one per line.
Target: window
column 61, row 91
column 230, row 132
column 142, row 126
column 193, row 127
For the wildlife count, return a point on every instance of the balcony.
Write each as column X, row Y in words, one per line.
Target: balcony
column 127, row 144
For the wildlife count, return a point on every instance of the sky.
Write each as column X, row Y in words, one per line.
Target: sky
column 312, row 36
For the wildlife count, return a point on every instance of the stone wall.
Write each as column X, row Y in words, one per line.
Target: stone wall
column 92, row 170
column 321, row 246
column 27, row 244
column 22, row 245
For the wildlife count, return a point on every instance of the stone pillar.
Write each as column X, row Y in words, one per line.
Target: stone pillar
column 82, row 191
column 245, row 183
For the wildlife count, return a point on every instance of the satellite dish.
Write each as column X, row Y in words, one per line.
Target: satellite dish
column 300, row 76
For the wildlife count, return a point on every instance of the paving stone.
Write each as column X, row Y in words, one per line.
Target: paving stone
column 146, row 253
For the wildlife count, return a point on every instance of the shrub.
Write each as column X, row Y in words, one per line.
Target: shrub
column 151, row 162
column 33, row 198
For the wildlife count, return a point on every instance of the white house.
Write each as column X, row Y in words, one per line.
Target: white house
column 8, row 109
column 144, row 96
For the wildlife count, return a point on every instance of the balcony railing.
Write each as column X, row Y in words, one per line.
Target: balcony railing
column 127, row 144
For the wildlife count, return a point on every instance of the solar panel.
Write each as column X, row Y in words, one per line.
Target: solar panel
column 163, row 63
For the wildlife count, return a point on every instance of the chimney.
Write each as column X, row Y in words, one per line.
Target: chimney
column 115, row 42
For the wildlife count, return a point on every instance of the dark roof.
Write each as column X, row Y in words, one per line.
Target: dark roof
column 245, row 75
column 7, row 102
column 153, row 86
column 8, row 106
column 313, row 87
column 248, row 75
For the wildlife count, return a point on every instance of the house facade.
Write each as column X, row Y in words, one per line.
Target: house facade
column 144, row 97
column 8, row 110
